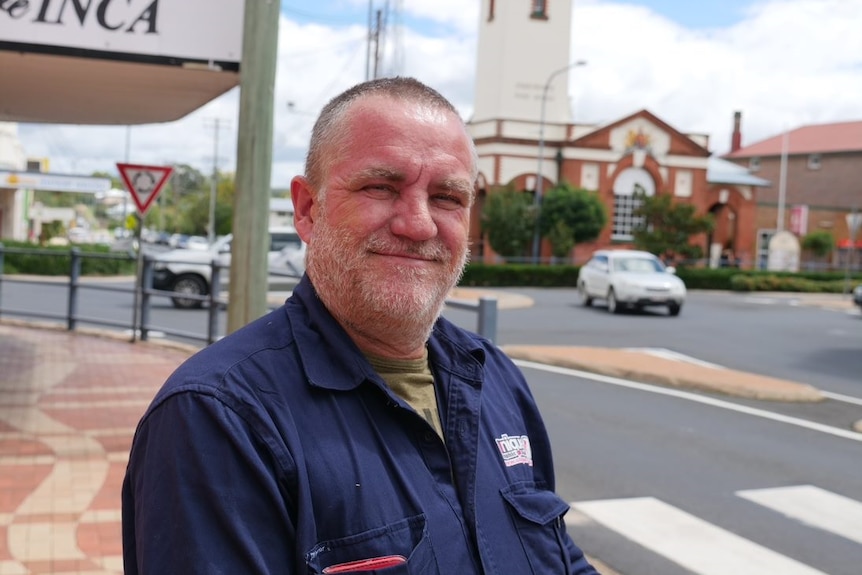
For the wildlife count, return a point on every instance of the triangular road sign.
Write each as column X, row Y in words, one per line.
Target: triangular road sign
column 144, row 182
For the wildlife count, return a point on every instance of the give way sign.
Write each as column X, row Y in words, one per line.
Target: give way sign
column 144, row 182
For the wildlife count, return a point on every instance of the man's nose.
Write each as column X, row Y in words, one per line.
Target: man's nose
column 413, row 218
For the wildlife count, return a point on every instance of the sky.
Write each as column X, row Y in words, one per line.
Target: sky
column 693, row 63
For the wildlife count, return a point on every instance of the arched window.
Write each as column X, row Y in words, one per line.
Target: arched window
column 630, row 188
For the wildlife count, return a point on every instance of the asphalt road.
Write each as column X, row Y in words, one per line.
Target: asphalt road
column 653, row 477
column 659, row 483
column 740, row 331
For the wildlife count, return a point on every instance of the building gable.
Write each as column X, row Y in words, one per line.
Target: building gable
column 645, row 131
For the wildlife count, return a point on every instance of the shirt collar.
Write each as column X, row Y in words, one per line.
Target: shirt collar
column 333, row 361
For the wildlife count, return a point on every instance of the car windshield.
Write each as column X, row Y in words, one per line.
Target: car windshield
column 637, row 265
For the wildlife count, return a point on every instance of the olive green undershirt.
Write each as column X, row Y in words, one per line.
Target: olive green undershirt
column 412, row 381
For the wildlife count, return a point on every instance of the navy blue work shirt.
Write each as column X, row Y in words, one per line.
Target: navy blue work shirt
column 279, row 450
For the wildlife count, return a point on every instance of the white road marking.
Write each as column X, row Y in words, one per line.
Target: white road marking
column 840, row 397
column 812, row 506
column 810, row 425
column 674, row 356
column 693, row 543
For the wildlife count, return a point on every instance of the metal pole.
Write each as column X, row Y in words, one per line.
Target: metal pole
column 74, row 275
column 146, row 282
column 211, row 231
column 249, row 247
column 488, row 318
column 782, row 181
column 139, row 273
column 537, row 199
column 368, row 43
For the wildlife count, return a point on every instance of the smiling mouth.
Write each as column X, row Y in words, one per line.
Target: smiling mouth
column 406, row 256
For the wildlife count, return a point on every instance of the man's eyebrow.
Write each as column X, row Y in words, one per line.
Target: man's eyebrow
column 378, row 173
column 458, row 185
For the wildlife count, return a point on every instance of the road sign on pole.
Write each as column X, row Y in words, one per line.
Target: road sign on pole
column 854, row 222
column 144, row 182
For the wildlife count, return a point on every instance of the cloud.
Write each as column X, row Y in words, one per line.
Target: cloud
column 783, row 63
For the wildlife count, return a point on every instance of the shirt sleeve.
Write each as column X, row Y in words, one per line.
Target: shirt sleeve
column 580, row 565
column 202, row 494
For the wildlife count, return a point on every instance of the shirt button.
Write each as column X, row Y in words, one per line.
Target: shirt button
column 428, row 436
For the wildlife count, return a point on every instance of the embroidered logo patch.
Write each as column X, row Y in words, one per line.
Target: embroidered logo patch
column 515, row 450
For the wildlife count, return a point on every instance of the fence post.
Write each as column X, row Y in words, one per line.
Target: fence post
column 215, row 289
column 146, row 283
column 488, row 318
column 74, row 275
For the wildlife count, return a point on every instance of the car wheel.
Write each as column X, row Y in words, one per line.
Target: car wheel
column 613, row 305
column 674, row 309
column 190, row 285
column 584, row 297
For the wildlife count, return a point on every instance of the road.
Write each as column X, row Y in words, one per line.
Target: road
column 664, row 484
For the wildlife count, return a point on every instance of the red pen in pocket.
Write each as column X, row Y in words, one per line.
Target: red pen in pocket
column 369, row 564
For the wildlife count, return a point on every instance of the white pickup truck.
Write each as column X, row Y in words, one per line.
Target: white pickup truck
column 185, row 271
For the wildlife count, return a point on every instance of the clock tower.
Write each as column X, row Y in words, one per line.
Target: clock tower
column 521, row 43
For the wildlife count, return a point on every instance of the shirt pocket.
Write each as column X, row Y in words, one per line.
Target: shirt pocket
column 538, row 517
column 407, row 538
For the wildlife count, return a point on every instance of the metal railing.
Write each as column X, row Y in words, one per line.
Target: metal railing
column 140, row 324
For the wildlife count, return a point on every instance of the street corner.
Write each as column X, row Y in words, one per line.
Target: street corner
column 648, row 368
column 505, row 299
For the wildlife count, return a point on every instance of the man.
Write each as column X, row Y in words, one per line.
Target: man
column 354, row 430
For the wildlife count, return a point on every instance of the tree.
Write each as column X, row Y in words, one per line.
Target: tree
column 820, row 243
column 570, row 216
column 194, row 209
column 508, row 218
column 667, row 227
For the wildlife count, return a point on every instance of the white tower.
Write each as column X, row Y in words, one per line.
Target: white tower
column 521, row 43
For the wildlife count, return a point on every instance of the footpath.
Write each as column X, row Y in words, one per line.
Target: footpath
column 70, row 401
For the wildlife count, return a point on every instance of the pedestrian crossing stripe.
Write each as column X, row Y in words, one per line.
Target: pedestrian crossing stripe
column 813, row 506
column 687, row 540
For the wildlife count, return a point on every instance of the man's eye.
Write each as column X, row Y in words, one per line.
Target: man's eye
column 380, row 189
column 449, row 199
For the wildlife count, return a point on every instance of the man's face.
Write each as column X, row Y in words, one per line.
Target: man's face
column 390, row 238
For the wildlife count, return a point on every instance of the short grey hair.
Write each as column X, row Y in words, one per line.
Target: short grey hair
column 328, row 129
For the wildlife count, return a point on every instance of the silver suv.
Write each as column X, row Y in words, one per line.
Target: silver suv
column 186, row 271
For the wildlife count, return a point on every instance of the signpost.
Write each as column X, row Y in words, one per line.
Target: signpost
column 144, row 184
column 854, row 222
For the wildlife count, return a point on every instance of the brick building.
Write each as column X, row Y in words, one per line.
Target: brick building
column 822, row 182
column 523, row 128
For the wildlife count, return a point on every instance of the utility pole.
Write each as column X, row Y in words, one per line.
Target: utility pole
column 211, row 222
column 248, row 271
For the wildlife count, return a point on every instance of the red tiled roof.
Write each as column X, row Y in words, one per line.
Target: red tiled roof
column 819, row 138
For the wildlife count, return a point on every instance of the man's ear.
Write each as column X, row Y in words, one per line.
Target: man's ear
column 304, row 207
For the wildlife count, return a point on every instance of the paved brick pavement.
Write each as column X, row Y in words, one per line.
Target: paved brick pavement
column 69, row 404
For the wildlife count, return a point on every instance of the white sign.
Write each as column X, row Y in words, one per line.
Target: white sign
column 204, row 30
column 783, row 253
column 854, row 222
column 144, row 182
column 53, row 182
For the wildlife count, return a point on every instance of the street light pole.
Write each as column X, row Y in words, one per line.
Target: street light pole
column 537, row 198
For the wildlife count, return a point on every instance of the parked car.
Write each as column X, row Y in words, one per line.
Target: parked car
column 857, row 296
column 630, row 279
column 199, row 243
column 188, row 271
